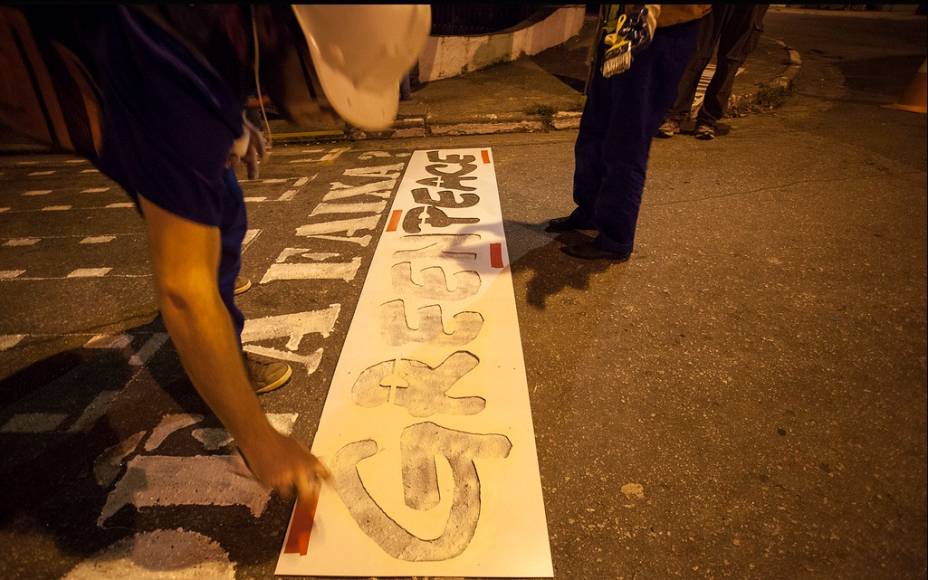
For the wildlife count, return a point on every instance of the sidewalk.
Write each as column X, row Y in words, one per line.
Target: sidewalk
column 539, row 93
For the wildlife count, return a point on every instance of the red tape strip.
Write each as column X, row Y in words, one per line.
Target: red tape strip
column 394, row 220
column 300, row 528
column 486, row 156
column 496, row 255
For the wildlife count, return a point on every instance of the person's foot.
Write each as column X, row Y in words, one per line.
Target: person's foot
column 705, row 131
column 590, row 251
column 668, row 128
column 266, row 376
column 242, row 284
column 566, row 224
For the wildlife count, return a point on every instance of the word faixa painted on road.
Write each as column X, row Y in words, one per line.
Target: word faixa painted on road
column 427, row 427
column 350, row 212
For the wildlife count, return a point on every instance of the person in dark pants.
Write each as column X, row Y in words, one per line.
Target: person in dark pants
column 619, row 119
column 735, row 29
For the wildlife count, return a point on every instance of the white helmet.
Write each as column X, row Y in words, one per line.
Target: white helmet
column 361, row 52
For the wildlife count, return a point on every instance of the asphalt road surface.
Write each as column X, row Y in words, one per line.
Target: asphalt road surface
column 745, row 398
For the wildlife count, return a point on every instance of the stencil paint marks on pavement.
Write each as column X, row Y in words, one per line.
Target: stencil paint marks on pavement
column 427, row 426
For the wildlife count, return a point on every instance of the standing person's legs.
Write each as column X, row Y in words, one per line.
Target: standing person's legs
column 588, row 165
column 709, row 31
column 640, row 99
column 738, row 38
column 232, row 233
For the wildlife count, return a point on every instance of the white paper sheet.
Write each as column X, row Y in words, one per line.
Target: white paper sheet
column 427, row 425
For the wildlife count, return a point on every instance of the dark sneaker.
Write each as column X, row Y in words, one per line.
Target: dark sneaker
column 266, row 376
column 705, row 131
column 242, row 284
column 668, row 129
column 566, row 224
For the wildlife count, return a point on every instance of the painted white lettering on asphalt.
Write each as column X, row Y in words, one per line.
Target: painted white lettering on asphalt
column 294, row 326
column 334, row 227
column 361, row 207
column 89, row 273
column 94, row 411
column 392, row 171
column 329, row 156
column 148, row 349
column 213, row 438
column 177, row 554
column 381, row 189
column 33, row 422
column 8, row 341
column 97, row 239
column 22, row 242
column 115, row 341
column 157, row 480
column 302, row 181
column 169, row 424
column 362, row 241
column 250, row 236
column 10, row 274
column 106, row 467
column 318, row 271
column 254, row 198
column 310, row 361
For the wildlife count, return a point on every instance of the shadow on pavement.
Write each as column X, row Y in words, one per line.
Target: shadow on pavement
column 551, row 270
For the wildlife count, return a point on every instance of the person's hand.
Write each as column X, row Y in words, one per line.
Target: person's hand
column 282, row 463
column 250, row 148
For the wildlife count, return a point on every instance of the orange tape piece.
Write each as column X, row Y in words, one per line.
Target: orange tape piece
column 300, row 528
column 496, row 255
column 486, row 156
column 394, row 220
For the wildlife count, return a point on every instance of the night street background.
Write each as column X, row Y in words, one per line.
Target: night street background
column 744, row 398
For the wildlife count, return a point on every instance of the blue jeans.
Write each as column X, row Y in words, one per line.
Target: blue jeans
column 232, row 233
column 620, row 117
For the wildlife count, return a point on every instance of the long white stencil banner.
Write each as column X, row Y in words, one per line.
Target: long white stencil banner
column 427, row 427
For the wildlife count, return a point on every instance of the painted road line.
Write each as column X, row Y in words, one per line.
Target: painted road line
column 95, row 189
column 36, row 192
column 90, row 171
column 118, row 205
column 4, row 209
column 426, row 483
column 328, row 156
column 22, row 242
column 255, row 199
column 75, row 161
column 11, row 274
column 42, row 173
column 89, row 273
column 97, row 240
column 27, row 163
column 250, row 236
column 33, row 422
column 56, row 208
column 51, row 278
column 8, row 341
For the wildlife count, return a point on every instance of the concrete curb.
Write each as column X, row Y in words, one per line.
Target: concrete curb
column 559, row 120
column 739, row 104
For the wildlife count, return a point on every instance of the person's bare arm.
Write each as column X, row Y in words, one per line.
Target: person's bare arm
column 185, row 259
